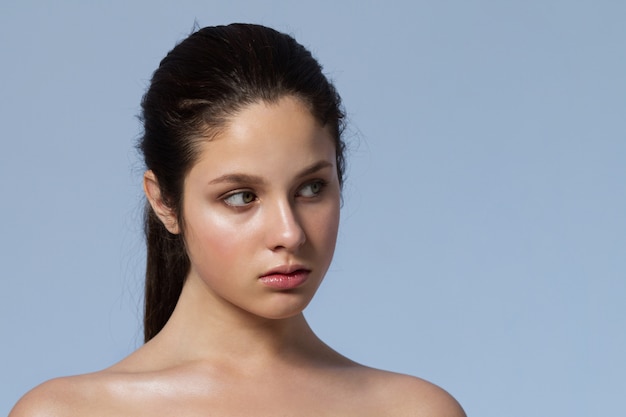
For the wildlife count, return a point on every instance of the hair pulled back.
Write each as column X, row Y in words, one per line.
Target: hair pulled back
column 204, row 80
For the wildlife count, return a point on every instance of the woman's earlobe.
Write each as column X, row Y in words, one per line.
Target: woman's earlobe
column 153, row 193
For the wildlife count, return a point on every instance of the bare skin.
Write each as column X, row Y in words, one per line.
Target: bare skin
column 235, row 346
column 290, row 378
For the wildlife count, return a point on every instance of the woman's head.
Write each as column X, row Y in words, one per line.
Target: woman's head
column 204, row 82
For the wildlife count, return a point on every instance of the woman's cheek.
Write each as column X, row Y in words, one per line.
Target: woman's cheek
column 221, row 234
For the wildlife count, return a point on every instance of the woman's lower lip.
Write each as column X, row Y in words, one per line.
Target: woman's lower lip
column 285, row 281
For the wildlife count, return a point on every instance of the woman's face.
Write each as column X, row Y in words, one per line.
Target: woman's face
column 261, row 210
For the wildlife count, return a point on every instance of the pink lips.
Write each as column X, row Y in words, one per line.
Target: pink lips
column 285, row 278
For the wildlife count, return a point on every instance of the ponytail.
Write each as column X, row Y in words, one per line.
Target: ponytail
column 167, row 265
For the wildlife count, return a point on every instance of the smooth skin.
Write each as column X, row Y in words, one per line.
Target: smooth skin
column 263, row 195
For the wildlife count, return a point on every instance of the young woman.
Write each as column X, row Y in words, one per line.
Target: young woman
column 245, row 166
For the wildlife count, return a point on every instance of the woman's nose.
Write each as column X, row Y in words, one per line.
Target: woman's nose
column 284, row 231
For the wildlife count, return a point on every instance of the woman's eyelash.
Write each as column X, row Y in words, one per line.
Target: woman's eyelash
column 244, row 198
column 312, row 188
column 240, row 198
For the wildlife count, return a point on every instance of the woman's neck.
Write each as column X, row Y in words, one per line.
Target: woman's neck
column 205, row 328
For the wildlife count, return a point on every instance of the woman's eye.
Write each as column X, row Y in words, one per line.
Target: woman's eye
column 311, row 189
column 241, row 198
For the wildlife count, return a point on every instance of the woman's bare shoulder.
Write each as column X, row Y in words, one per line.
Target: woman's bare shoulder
column 65, row 396
column 52, row 398
column 405, row 395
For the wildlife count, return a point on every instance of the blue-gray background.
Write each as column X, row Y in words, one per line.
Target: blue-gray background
column 483, row 244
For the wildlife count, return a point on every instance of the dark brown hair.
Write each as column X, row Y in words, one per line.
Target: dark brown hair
column 203, row 81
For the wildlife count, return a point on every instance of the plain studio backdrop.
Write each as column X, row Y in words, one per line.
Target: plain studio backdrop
column 483, row 243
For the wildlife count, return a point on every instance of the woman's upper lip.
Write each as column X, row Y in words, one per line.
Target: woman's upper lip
column 285, row 270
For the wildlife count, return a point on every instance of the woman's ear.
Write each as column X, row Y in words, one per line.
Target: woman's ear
column 163, row 211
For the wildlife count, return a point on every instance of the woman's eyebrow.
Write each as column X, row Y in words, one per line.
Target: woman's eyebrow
column 237, row 178
column 314, row 168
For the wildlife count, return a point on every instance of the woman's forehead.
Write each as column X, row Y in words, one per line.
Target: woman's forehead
column 284, row 134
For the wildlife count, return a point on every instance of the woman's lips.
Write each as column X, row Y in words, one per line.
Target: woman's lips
column 286, row 280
